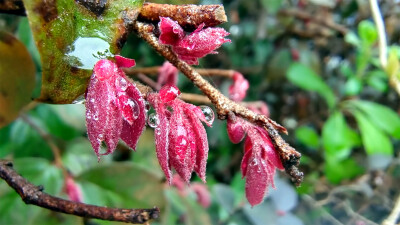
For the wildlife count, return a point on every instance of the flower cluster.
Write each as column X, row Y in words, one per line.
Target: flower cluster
column 181, row 140
column 114, row 106
column 260, row 157
column 193, row 46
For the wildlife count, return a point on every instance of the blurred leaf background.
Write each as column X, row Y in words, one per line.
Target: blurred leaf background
column 324, row 85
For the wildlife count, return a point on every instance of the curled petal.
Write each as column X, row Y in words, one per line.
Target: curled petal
column 169, row 93
column 200, row 43
column 124, row 62
column 170, row 31
column 239, row 87
column 136, row 107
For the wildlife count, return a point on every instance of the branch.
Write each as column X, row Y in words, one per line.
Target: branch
column 154, row 70
column 289, row 156
column 188, row 16
column 319, row 20
column 34, row 195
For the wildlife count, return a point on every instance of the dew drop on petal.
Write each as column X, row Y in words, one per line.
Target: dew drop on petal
column 208, row 113
column 152, row 120
column 121, row 83
column 95, row 117
column 135, row 108
column 101, row 136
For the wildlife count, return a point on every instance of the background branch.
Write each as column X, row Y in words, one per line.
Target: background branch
column 34, row 195
column 154, row 70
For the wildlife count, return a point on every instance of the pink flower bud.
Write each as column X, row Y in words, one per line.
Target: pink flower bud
column 169, row 93
column 235, row 129
column 239, row 87
column 73, row 190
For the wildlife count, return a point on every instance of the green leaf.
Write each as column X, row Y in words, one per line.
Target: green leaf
column 381, row 116
column 122, row 185
column 337, row 171
column 308, row 136
column 307, row 79
column 352, row 39
column 338, row 139
column 367, row 32
column 374, row 140
column 378, row 80
column 16, row 82
column 353, row 86
column 71, row 36
column 193, row 213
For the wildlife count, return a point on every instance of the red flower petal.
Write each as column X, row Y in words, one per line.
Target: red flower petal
column 257, row 180
column 201, row 141
column 103, row 118
column 161, row 135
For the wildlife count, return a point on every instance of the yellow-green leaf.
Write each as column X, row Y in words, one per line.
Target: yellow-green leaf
column 17, row 77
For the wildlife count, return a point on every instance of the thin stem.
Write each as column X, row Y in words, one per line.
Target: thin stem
column 394, row 215
column 376, row 14
column 34, row 195
column 48, row 139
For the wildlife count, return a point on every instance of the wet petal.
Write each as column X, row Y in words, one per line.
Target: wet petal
column 170, row 31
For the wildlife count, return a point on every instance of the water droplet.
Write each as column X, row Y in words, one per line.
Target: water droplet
column 158, row 131
column 79, row 100
column 101, row 136
column 254, row 162
column 95, row 117
column 121, row 83
column 135, row 108
column 152, row 120
column 208, row 113
column 92, row 100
